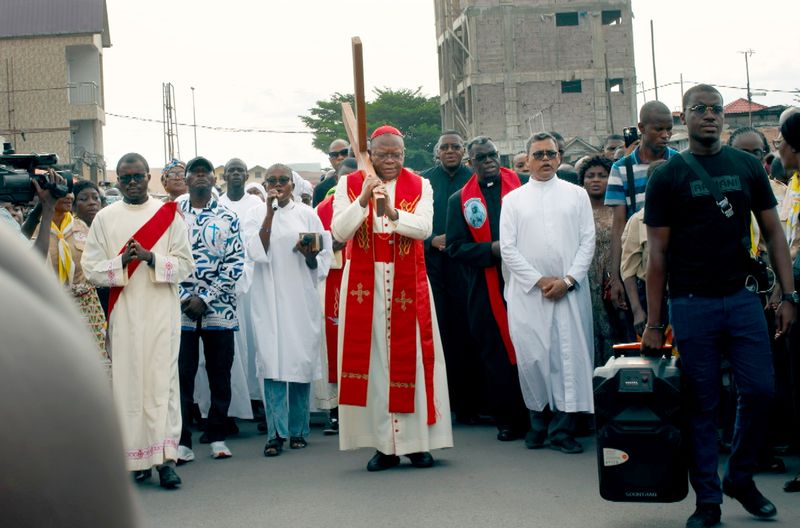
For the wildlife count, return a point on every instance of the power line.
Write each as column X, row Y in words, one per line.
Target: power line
column 216, row 128
column 793, row 92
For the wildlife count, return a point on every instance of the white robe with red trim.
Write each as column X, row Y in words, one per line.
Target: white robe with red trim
column 374, row 426
column 144, row 328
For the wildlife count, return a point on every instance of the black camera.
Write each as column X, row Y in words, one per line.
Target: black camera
column 17, row 172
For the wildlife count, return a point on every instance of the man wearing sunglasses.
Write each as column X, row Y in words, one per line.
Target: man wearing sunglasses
column 396, row 403
column 140, row 249
column 700, row 243
column 446, row 278
column 338, row 151
column 473, row 225
column 547, row 240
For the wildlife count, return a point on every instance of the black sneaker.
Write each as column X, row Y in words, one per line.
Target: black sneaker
column 567, row 445
column 332, row 427
column 168, row 478
column 705, row 516
column 753, row 501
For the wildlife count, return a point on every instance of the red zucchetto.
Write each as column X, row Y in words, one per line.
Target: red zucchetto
column 385, row 129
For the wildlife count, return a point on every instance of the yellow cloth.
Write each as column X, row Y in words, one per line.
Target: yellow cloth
column 66, row 266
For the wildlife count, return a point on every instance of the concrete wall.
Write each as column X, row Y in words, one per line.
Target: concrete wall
column 518, row 58
column 37, row 70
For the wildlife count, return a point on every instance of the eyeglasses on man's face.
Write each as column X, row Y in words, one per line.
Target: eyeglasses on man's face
column 480, row 158
column 138, row 177
column 701, row 109
column 283, row 180
column 395, row 156
column 541, row 154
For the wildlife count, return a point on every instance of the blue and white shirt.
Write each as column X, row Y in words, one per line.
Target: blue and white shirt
column 617, row 190
column 219, row 260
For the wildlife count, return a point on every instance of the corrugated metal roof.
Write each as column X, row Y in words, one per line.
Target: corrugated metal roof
column 741, row 106
column 28, row 18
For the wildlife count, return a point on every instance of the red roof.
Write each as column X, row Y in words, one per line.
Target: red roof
column 741, row 106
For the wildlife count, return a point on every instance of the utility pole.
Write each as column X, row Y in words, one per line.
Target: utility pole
column 194, row 123
column 653, row 49
column 747, row 54
column 608, row 97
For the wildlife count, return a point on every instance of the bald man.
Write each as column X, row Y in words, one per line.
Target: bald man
column 655, row 129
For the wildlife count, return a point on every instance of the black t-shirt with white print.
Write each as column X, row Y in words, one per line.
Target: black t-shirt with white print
column 708, row 252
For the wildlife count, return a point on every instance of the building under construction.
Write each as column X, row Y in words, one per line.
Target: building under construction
column 508, row 69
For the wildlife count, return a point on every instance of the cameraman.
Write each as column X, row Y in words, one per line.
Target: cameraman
column 43, row 212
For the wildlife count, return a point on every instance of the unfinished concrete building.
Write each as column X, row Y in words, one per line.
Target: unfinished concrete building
column 511, row 68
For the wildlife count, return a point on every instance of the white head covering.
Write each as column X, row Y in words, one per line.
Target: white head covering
column 257, row 186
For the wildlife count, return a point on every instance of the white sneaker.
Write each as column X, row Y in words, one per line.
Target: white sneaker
column 185, row 455
column 220, row 450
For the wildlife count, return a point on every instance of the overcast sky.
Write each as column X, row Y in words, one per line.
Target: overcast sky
column 260, row 64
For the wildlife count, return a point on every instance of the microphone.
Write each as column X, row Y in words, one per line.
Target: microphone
column 274, row 205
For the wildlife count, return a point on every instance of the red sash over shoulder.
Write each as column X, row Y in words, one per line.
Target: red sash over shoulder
column 476, row 215
column 147, row 235
column 409, row 307
column 332, row 286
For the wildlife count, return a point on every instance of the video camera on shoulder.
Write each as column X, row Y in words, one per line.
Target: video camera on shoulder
column 18, row 171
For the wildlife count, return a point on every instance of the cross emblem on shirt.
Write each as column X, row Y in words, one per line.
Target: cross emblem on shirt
column 360, row 293
column 403, row 300
column 214, row 229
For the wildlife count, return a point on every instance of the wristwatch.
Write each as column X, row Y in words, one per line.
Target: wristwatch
column 793, row 298
column 570, row 284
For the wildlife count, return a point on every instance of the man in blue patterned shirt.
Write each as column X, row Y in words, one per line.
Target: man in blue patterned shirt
column 208, row 302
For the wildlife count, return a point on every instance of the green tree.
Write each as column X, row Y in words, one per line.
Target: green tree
column 416, row 115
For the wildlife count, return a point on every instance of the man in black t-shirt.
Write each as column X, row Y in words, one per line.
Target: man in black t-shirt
column 703, row 254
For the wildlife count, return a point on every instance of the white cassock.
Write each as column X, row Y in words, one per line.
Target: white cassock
column 144, row 328
column 373, row 425
column 240, row 388
column 547, row 230
column 325, row 393
column 285, row 305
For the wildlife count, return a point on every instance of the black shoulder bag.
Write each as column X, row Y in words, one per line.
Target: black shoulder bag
column 760, row 277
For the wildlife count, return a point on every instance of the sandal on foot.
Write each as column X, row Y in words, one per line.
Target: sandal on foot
column 297, row 442
column 273, row 447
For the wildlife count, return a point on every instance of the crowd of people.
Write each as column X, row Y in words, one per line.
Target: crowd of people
column 389, row 298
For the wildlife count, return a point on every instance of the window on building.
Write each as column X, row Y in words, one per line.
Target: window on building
column 567, row 19
column 571, row 86
column 615, row 86
column 258, row 175
column 612, row 17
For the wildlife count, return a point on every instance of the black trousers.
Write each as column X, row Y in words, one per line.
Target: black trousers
column 218, row 351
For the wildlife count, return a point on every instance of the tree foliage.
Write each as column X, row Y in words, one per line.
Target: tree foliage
column 416, row 115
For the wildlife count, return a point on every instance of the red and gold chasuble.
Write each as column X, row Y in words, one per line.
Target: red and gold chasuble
column 147, row 235
column 409, row 306
column 473, row 205
column 333, row 284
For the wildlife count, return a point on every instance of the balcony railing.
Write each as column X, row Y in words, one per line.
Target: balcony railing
column 84, row 93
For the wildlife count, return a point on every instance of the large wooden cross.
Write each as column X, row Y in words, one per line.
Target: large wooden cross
column 357, row 128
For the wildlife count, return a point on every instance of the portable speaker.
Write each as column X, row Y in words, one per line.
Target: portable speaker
column 641, row 456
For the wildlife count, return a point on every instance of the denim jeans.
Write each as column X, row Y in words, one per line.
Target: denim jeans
column 706, row 328
column 287, row 414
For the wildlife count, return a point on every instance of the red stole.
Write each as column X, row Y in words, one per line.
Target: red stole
column 410, row 306
column 332, row 285
column 476, row 214
column 147, row 235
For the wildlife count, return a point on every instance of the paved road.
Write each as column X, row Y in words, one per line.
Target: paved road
column 479, row 483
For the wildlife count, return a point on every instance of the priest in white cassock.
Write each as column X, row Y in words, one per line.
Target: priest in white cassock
column 292, row 255
column 547, row 242
column 140, row 248
column 392, row 379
